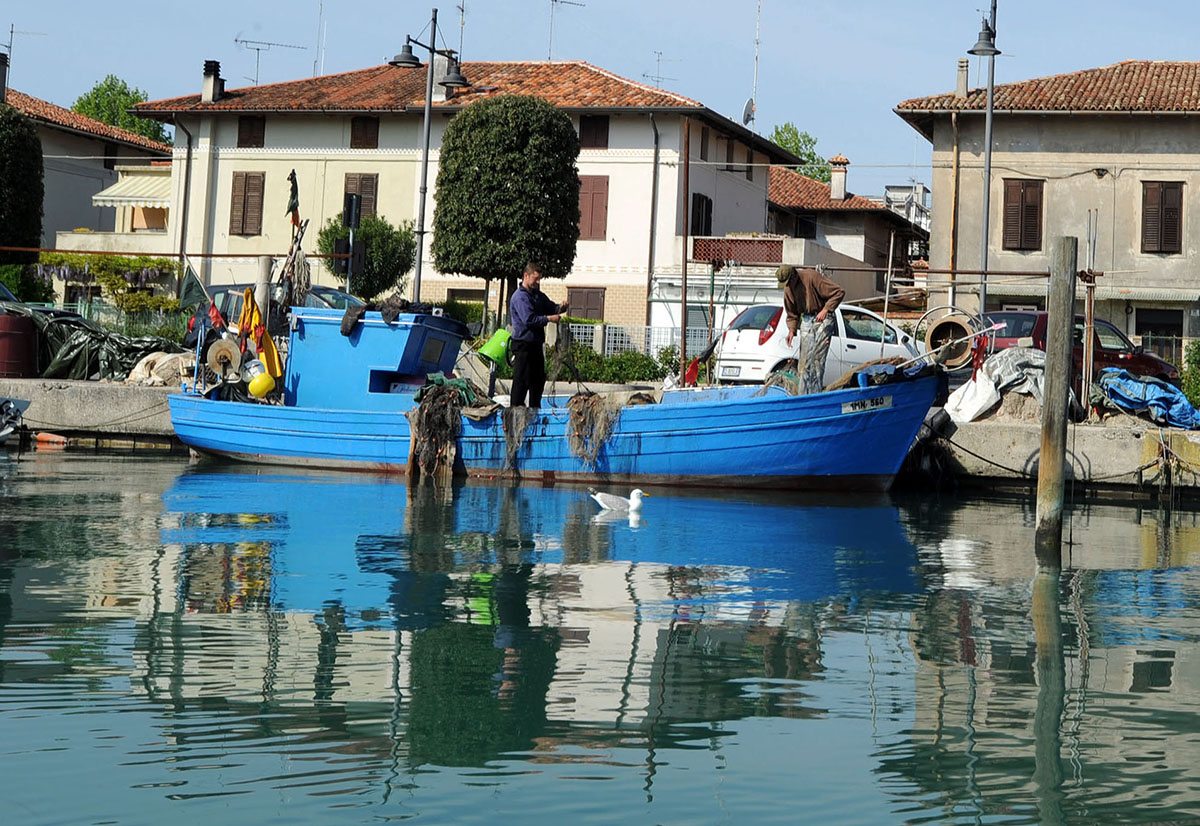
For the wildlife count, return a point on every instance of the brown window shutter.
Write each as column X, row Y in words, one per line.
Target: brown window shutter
column 593, row 207
column 364, row 133
column 1012, row 215
column 1151, row 216
column 237, row 204
column 368, row 186
column 254, row 203
column 1031, row 216
column 593, row 131
column 704, row 134
column 1172, row 215
column 252, row 131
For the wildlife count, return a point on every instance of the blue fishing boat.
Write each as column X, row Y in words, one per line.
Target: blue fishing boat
column 345, row 398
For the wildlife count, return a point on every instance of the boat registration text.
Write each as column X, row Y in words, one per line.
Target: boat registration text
column 863, row 405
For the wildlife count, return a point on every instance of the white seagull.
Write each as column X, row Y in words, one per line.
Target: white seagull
column 610, row 501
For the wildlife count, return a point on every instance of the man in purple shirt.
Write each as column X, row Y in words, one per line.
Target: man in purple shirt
column 528, row 312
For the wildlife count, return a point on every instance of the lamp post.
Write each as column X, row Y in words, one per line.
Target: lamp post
column 986, row 47
column 452, row 80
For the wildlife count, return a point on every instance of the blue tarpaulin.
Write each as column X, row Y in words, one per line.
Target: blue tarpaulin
column 1164, row 403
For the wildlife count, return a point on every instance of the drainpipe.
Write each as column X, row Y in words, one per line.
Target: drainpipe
column 653, row 220
column 183, row 211
column 954, row 211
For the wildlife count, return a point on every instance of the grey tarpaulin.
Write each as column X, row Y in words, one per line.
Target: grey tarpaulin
column 70, row 347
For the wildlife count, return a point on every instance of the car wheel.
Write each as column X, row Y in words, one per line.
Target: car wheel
column 787, row 365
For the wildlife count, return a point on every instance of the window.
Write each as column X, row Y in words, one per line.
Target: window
column 364, row 133
column 866, row 328
column 729, row 155
column 1162, row 214
column 701, row 217
column 457, row 294
column 365, row 186
column 81, row 293
column 593, row 132
column 246, row 203
column 585, row 302
column 1022, row 214
column 593, row 207
column 110, row 155
column 1111, row 338
column 704, row 135
column 252, row 130
column 749, row 164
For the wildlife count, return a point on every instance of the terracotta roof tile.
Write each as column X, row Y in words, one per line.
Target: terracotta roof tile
column 791, row 189
column 568, row 84
column 45, row 111
column 1129, row 86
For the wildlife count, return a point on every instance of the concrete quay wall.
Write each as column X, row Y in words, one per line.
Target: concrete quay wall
column 1132, row 456
column 92, row 407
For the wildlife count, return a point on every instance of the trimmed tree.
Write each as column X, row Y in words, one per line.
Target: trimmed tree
column 507, row 190
column 21, row 193
column 110, row 100
column 390, row 253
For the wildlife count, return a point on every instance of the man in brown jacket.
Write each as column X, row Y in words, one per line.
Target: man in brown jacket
column 809, row 300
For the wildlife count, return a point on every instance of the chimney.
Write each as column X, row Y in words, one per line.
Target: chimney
column 3, row 77
column 837, row 177
column 960, row 90
column 441, row 68
column 214, row 86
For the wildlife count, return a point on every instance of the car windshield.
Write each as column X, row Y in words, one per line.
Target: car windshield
column 754, row 318
column 1016, row 325
column 338, row 300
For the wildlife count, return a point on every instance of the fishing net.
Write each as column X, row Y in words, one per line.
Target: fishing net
column 515, row 421
column 590, row 421
column 560, row 361
column 787, row 380
column 435, row 424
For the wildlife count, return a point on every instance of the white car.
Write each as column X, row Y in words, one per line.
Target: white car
column 755, row 345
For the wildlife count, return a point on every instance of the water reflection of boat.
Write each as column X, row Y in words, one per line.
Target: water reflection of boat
column 471, row 621
column 345, row 398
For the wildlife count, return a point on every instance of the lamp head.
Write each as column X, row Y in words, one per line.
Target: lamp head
column 986, row 45
column 454, row 78
column 406, row 59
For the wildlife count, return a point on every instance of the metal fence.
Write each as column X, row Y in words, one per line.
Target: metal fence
column 145, row 323
column 621, row 338
column 1167, row 348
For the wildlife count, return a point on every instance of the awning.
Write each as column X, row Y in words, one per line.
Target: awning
column 136, row 191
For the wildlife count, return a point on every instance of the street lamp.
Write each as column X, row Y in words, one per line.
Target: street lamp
column 986, row 47
column 452, row 80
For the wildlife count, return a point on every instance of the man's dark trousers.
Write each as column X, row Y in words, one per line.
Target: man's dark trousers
column 529, row 373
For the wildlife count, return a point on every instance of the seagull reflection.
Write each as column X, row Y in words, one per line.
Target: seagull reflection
column 609, row 517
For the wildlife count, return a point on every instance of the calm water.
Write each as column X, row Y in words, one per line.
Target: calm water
column 191, row 643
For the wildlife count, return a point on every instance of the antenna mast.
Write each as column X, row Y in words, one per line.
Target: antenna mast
column 553, row 3
column 754, row 94
column 657, row 77
column 462, row 23
column 260, row 46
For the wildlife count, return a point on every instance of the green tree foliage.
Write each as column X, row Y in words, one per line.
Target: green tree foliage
column 803, row 146
column 391, row 252
column 507, row 190
column 110, row 100
column 21, row 191
column 1191, row 372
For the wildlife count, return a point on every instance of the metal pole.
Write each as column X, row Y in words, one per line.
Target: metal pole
column 1052, row 459
column 887, row 292
column 687, row 200
column 987, row 168
column 425, row 158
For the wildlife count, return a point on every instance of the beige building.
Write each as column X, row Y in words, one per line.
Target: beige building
column 1121, row 143
column 361, row 132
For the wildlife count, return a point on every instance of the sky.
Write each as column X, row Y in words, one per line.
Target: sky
column 835, row 68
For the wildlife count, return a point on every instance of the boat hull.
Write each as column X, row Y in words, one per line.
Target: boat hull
column 846, row 439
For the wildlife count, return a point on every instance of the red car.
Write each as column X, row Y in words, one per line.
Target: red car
column 1111, row 346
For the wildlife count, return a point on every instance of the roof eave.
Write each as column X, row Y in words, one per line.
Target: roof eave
column 166, row 153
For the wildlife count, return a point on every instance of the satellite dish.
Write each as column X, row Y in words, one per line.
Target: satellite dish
column 224, row 358
column 748, row 112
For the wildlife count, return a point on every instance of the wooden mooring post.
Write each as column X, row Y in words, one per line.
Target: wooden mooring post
column 1060, row 322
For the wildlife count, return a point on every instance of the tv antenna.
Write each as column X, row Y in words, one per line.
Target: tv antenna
column 553, row 3
column 462, row 23
column 260, row 46
column 657, row 77
column 751, row 105
column 13, row 30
